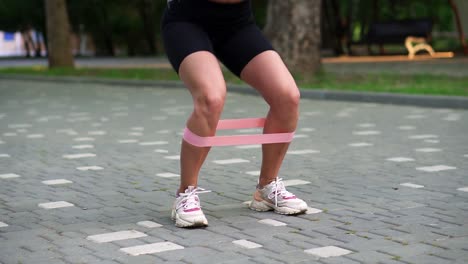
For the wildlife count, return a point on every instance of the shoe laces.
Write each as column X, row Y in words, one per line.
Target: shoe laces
column 190, row 198
column 278, row 189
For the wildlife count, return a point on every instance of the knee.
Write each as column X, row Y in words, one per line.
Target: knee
column 293, row 97
column 287, row 99
column 209, row 105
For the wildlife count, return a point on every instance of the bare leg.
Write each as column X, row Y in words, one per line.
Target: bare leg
column 202, row 75
column 268, row 74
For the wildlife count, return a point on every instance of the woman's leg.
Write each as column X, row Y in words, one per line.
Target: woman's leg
column 267, row 73
column 201, row 73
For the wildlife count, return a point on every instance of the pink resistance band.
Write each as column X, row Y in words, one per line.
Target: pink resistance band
column 254, row 139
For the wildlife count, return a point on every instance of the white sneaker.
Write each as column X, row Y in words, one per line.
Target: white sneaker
column 187, row 210
column 275, row 197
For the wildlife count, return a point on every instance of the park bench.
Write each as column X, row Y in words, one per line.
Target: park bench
column 413, row 33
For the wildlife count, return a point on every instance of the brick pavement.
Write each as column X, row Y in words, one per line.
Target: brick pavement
column 84, row 167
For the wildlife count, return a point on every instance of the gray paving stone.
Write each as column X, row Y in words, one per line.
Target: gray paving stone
column 339, row 260
column 189, row 254
column 258, row 252
column 228, row 257
column 202, row 238
column 101, row 250
column 81, row 259
column 108, row 262
column 405, row 251
column 429, row 259
column 44, row 260
column 13, row 254
column 144, row 259
column 368, row 256
column 266, row 260
column 364, row 207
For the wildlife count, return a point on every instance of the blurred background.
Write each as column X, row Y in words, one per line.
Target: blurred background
column 132, row 28
column 403, row 46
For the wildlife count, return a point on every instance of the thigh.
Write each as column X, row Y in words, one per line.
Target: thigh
column 268, row 74
column 201, row 73
column 182, row 38
column 241, row 46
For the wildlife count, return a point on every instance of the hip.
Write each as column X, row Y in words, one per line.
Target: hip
column 209, row 15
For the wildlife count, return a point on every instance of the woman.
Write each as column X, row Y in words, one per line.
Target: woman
column 196, row 34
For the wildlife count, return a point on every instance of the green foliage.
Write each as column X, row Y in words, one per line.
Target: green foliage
column 365, row 11
column 19, row 15
column 131, row 25
column 260, row 11
column 118, row 23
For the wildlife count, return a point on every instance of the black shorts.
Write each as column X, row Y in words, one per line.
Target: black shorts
column 226, row 30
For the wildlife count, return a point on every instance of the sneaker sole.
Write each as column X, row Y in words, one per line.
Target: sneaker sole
column 260, row 206
column 264, row 206
column 179, row 222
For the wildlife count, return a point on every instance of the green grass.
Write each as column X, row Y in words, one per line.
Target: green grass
column 390, row 83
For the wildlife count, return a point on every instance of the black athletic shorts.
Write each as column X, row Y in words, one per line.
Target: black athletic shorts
column 226, row 30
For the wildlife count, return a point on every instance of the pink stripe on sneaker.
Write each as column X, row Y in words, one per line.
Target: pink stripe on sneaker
column 192, row 210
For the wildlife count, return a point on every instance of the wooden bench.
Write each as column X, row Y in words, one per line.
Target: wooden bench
column 413, row 33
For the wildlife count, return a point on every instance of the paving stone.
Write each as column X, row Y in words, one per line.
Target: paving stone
column 82, row 146
column 149, row 224
column 54, row 205
column 366, row 132
column 412, row 185
column 400, row 159
column 359, row 201
column 246, row 244
column 428, row 150
column 79, row 156
column 173, row 157
column 265, row 260
column 302, row 152
column 189, row 254
column 339, row 260
column 272, row 222
column 436, row 168
column 89, row 168
column 428, row 259
column 81, row 259
column 360, row 144
column 168, row 175
column 151, row 248
column 153, row 143
column 230, row 161
column 405, row 251
column 9, row 176
column 114, row 236
column 311, row 210
column 56, row 182
column 328, row 251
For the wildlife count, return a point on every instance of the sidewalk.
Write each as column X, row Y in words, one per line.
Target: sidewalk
column 88, row 174
column 363, row 65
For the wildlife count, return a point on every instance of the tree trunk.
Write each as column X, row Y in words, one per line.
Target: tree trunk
column 58, row 33
column 293, row 27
